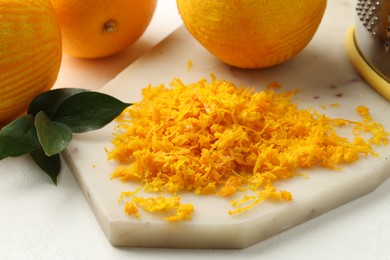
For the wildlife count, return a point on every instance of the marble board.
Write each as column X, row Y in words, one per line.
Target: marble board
column 324, row 76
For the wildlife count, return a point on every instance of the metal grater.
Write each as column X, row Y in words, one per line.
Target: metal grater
column 372, row 34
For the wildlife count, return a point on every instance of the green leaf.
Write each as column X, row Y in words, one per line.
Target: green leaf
column 53, row 136
column 52, row 116
column 88, row 111
column 51, row 165
column 49, row 101
column 18, row 138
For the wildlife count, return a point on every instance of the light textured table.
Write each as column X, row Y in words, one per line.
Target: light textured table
column 43, row 221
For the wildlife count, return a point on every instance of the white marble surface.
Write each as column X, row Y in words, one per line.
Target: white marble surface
column 42, row 221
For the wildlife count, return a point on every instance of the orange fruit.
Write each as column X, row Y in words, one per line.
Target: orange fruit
column 252, row 33
column 93, row 29
column 30, row 53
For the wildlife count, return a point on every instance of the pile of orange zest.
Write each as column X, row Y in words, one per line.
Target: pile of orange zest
column 131, row 209
column 160, row 204
column 213, row 137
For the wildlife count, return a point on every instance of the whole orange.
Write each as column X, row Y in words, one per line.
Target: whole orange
column 30, row 53
column 252, row 33
column 93, row 29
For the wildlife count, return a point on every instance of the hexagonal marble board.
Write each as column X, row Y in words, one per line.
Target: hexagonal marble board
column 323, row 78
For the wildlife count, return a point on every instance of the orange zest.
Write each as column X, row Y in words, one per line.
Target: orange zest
column 212, row 137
